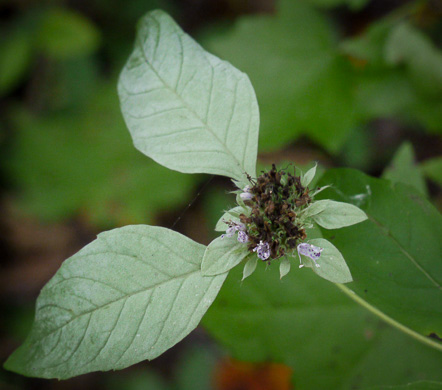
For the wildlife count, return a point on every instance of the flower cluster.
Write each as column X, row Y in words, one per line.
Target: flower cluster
column 272, row 226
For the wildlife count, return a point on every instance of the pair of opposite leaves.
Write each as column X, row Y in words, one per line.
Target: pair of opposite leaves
column 136, row 291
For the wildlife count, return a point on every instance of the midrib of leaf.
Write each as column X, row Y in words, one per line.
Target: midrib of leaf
column 388, row 233
column 127, row 296
column 203, row 122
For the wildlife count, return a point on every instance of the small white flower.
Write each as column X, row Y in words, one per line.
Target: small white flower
column 309, row 250
column 263, row 250
column 232, row 229
column 246, row 195
column 243, row 237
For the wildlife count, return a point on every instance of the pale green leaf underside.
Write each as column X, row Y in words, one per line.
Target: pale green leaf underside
column 222, row 255
column 332, row 264
column 231, row 215
column 185, row 108
column 337, row 215
column 307, row 178
column 128, row 296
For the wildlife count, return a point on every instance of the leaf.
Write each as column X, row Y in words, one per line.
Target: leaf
column 332, row 265
column 231, row 215
column 304, row 322
column 403, row 169
column 184, row 107
column 419, row 385
column 222, row 255
column 432, row 168
column 394, row 257
column 336, row 215
column 128, row 296
column 249, row 267
column 65, row 34
column 307, row 178
column 314, row 208
column 406, row 44
column 15, row 60
column 284, row 267
column 302, row 83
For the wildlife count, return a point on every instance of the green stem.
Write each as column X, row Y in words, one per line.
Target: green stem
column 389, row 320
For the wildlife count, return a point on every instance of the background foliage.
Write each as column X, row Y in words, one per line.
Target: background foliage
column 352, row 83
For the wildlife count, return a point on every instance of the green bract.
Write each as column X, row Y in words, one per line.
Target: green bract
column 136, row 291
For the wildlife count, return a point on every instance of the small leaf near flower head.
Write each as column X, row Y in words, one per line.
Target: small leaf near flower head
column 222, row 255
column 333, row 266
column 338, row 214
column 317, row 191
column 284, row 267
column 231, row 215
column 313, row 209
column 249, row 267
column 308, row 177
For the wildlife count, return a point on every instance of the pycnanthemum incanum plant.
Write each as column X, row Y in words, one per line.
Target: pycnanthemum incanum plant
column 136, row 291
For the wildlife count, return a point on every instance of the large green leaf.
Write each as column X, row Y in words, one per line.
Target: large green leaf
column 304, row 322
column 184, row 107
column 128, row 296
column 394, row 256
column 303, row 86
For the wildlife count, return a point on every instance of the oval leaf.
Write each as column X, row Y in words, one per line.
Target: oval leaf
column 231, row 215
column 128, row 296
column 394, row 257
column 184, row 107
column 284, row 267
column 222, row 255
column 307, row 178
column 337, row 214
column 249, row 267
column 332, row 265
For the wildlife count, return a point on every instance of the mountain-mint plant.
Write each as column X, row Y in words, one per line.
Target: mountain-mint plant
column 136, row 291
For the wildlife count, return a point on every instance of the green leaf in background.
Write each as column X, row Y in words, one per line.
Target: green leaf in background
column 128, row 296
column 302, row 84
column 332, row 265
column 16, row 53
column 185, row 108
column 419, row 385
column 66, row 34
column 306, row 323
column 384, row 86
column 64, row 165
column 403, row 169
column 409, row 46
column 395, row 256
column 354, row 5
column 335, row 215
column 222, row 254
column 432, row 169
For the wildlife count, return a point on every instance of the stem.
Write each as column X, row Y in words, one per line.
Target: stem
column 389, row 320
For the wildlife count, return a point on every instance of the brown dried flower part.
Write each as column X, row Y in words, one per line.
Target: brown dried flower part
column 277, row 198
